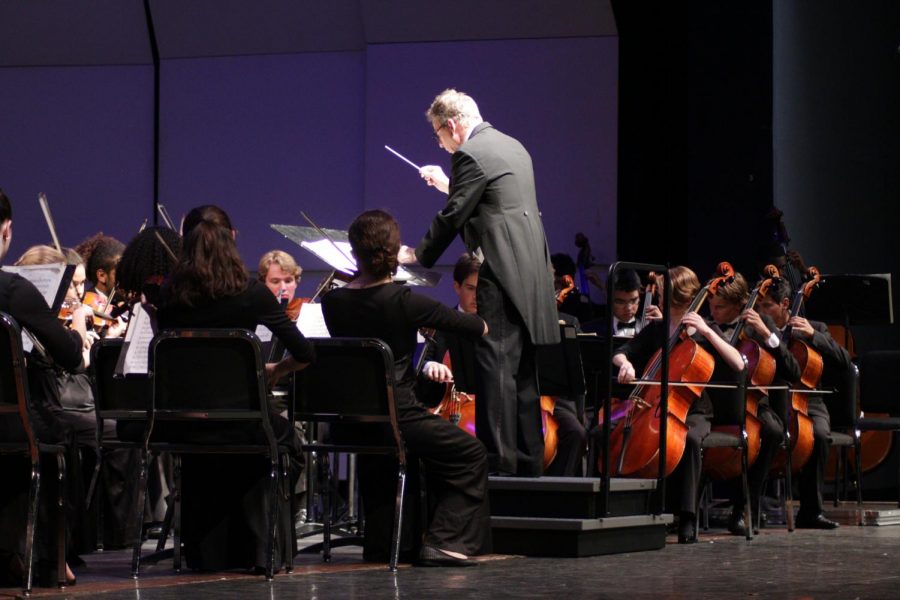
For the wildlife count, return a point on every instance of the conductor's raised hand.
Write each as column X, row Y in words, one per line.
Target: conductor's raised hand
column 435, row 177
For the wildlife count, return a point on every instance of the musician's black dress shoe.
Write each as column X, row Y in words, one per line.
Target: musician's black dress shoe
column 430, row 556
column 815, row 522
column 736, row 524
column 686, row 533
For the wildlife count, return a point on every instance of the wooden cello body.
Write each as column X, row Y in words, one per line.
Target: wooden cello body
column 637, row 455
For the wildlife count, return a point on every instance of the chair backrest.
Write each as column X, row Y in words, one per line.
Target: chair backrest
column 351, row 382
column 117, row 397
column 879, row 382
column 842, row 403
column 209, row 374
column 14, row 380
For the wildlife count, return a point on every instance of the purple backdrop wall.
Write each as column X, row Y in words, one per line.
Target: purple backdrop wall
column 84, row 136
column 266, row 136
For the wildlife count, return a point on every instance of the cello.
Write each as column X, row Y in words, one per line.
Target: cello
column 811, row 364
column 635, row 441
column 725, row 463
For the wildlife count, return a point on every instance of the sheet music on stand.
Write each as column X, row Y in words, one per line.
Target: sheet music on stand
column 338, row 255
column 52, row 281
column 135, row 356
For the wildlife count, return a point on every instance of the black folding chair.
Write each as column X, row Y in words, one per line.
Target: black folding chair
column 127, row 401
column 204, row 381
column 14, row 404
column 729, row 431
column 844, row 434
column 352, row 384
column 879, row 387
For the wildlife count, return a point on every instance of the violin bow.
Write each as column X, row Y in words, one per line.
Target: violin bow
column 165, row 216
column 45, row 207
column 321, row 232
column 166, row 247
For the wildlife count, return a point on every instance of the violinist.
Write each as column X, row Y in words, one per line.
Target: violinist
column 836, row 362
column 21, row 300
column 210, row 287
column 726, row 309
column 636, row 353
column 101, row 254
column 146, row 262
column 281, row 274
column 455, row 463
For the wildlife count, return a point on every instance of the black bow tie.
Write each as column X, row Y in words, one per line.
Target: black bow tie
column 624, row 325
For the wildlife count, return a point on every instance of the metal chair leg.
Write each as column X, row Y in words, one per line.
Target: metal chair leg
column 273, row 518
column 177, row 514
column 167, row 524
column 139, row 514
column 789, row 491
column 398, row 518
column 325, row 473
column 748, row 506
column 34, row 491
column 61, row 520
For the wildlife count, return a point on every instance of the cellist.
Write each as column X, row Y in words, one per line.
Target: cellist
column 726, row 308
column 836, row 362
column 635, row 353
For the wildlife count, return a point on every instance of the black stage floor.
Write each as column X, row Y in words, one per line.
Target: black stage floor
column 850, row 562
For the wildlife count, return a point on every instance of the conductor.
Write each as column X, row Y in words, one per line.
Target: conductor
column 491, row 203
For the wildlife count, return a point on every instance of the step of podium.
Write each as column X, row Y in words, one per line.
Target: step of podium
column 568, row 497
column 560, row 516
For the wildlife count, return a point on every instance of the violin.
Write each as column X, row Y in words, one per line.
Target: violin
column 635, row 441
column 725, row 463
column 811, row 366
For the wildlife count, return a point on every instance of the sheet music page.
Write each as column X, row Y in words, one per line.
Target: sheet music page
column 336, row 259
column 263, row 333
column 136, row 352
column 311, row 322
column 341, row 259
column 27, row 344
column 46, row 278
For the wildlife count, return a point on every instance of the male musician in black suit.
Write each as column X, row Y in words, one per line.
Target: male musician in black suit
column 491, row 202
column 836, row 361
column 727, row 309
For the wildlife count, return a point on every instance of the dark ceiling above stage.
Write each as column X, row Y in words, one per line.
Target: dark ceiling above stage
column 114, row 32
column 91, row 32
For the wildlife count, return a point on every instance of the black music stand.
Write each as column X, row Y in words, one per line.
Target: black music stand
column 307, row 237
column 850, row 299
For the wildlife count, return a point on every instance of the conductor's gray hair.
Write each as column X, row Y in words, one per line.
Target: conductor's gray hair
column 451, row 104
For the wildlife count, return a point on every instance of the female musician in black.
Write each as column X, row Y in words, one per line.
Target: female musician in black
column 455, row 462
column 63, row 349
column 224, row 500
